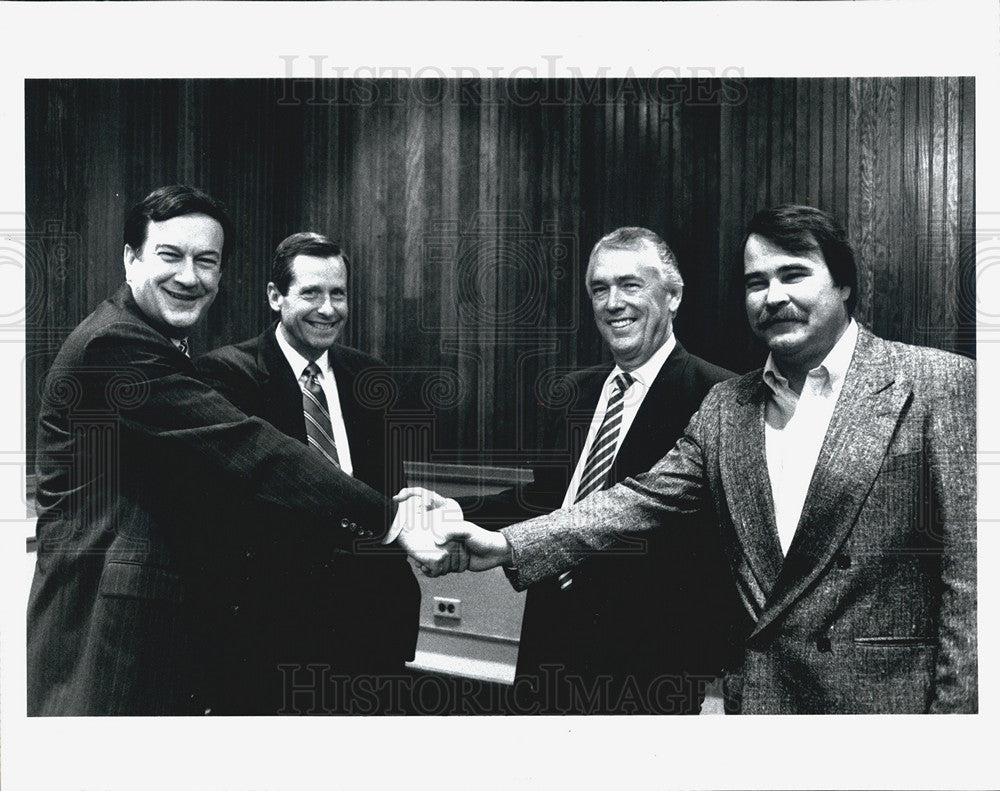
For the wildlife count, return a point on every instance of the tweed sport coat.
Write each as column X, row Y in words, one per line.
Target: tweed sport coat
column 601, row 625
column 873, row 610
column 129, row 440
column 289, row 606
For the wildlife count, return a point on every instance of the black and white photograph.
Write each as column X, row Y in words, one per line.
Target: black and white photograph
column 413, row 408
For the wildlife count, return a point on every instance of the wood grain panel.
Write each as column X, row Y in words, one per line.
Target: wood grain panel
column 453, row 198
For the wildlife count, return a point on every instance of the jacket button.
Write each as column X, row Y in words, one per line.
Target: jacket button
column 843, row 561
column 823, row 645
column 345, row 522
column 235, row 609
column 354, row 527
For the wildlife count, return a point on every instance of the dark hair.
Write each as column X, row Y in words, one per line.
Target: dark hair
column 803, row 229
column 637, row 239
column 173, row 201
column 305, row 243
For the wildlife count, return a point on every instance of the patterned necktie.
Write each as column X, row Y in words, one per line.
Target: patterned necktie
column 602, row 452
column 317, row 415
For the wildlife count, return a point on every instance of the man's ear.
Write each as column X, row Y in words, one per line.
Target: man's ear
column 274, row 297
column 674, row 302
column 129, row 258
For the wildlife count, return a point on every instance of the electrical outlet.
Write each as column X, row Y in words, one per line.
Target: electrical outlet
column 447, row 608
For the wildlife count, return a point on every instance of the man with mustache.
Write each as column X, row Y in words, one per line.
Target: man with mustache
column 330, row 620
column 842, row 480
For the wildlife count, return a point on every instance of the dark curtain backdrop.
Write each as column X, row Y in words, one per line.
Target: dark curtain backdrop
column 468, row 209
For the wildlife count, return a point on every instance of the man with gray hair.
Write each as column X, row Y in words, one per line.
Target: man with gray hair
column 623, row 632
column 842, row 481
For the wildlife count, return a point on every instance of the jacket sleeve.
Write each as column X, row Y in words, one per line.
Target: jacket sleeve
column 951, row 449
column 155, row 397
column 676, row 484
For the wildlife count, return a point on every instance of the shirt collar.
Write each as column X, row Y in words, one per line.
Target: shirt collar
column 296, row 361
column 649, row 370
column 834, row 365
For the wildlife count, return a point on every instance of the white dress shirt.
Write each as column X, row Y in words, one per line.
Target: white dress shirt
column 643, row 376
column 328, row 382
column 795, row 427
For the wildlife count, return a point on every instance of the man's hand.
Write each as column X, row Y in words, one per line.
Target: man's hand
column 431, row 500
column 470, row 546
column 423, row 534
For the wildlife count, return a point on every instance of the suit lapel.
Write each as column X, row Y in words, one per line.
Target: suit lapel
column 861, row 428
column 747, row 488
column 349, row 406
column 279, row 384
column 651, row 425
column 579, row 417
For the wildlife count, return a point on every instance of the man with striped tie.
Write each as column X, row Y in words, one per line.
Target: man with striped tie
column 130, row 440
column 310, row 627
column 625, row 632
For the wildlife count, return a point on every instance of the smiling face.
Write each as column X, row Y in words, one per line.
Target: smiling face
column 314, row 310
column 633, row 306
column 175, row 275
column 793, row 304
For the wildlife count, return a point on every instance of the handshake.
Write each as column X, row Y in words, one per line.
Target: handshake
column 433, row 531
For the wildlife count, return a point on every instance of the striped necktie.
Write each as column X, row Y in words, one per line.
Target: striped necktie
column 317, row 415
column 602, row 452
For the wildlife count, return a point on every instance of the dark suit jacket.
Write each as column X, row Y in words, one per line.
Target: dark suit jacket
column 129, row 439
column 873, row 610
column 654, row 610
column 357, row 614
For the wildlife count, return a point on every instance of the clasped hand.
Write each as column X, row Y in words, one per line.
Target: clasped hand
column 435, row 534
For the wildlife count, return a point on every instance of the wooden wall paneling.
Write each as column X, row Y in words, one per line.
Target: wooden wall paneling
column 913, row 216
column 894, row 158
column 814, row 162
column 781, row 158
column 479, row 283
column 104, row 175
column 887, row 216
column 472, row 117
column 728, row 302
column 966, row 335
column 524, row 361
column 321, row 175
column 933, row 290
column 838, row 195
column 442, row 315
column 859, row 187
column 804, row 122
column 388, row 266
column 193, row 129
column 947, row 334
column 698, row 222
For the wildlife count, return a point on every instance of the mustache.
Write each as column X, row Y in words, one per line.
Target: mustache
column 766, row 319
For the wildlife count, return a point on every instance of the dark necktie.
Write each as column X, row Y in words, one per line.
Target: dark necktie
column 317, row 415
column 182, row 345
column 602, row 452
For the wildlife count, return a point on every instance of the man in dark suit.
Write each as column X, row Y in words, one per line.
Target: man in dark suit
column 342, row 615
column 129, row 440
column 842, row 477
column 633, row 631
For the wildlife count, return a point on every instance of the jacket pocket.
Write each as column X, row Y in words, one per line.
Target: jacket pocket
column 135, row 581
